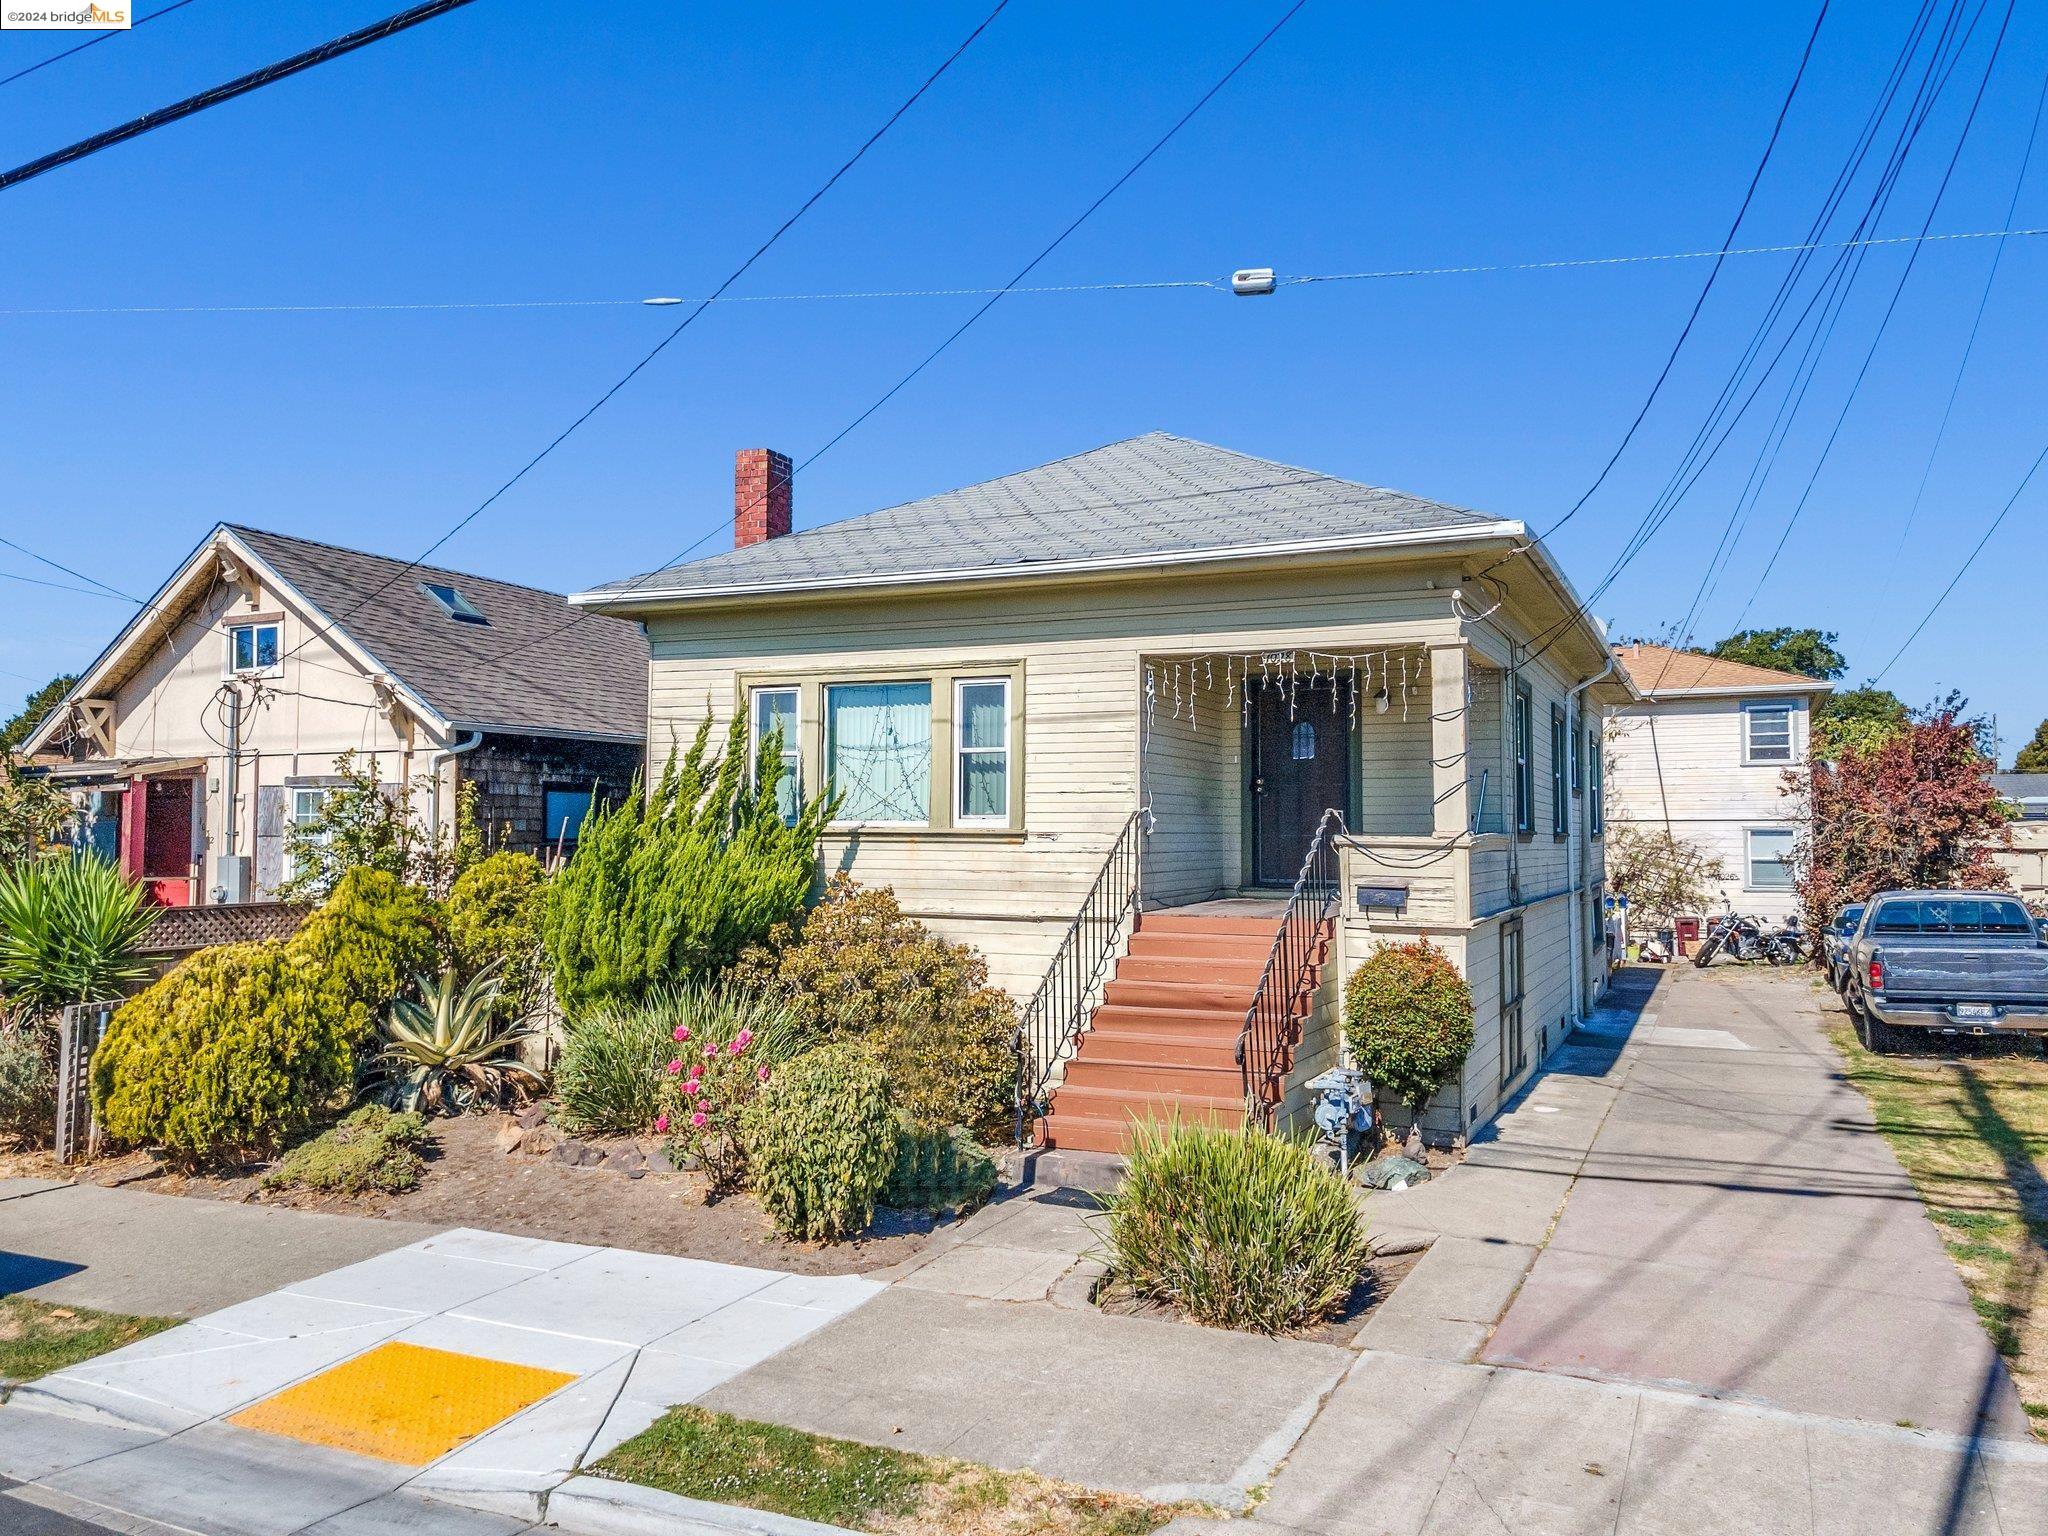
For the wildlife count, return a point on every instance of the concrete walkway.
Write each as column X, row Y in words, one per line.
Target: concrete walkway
column 443, row 1387
column 124, row 1250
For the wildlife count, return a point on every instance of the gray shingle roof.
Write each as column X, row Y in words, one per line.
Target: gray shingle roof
column 1156, row 495
column 575, row 672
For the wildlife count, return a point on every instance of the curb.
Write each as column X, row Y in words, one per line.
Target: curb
column 597, row 1506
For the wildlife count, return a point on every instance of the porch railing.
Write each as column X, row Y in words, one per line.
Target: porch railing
column 1274, row 1018
column 1059, row 1010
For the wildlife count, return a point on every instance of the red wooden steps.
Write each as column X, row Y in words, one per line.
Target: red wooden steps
column 1164, row 1041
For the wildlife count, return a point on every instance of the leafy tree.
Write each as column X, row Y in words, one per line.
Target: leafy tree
column 32, row 814
column 1806, row 651
column 1861, row 718
column 1408, row 1020
column 671, row 887
column 2033, row 757
column 34, row 707
column 1915, row 810
column 370, row 823
column 1660, row 873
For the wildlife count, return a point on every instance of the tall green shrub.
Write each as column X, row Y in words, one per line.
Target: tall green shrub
column 821, row 1142
column 365, row 945
column 70, row 932
column 860, row 970
column 230, row 1054
column 493, row 916
column 672, row 887
column 1408, row 1020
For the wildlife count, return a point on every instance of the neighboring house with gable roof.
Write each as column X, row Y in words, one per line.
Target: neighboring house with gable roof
column 2025, row 858
column 215, row 717
column 1704, row 753
column 1283, row 715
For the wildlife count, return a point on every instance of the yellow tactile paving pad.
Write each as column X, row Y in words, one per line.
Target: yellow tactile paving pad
column 401, row 1402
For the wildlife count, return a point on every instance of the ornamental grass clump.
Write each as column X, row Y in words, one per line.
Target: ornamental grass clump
column 821, row 1142
column 1408, row 1020
column 1233, row 1228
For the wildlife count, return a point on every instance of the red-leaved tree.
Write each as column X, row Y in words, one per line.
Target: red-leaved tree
column 1914, row 811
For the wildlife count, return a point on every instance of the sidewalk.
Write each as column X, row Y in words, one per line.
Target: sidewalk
column 469, row 1369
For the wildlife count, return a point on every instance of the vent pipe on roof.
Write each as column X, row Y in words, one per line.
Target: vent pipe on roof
column 760, row 496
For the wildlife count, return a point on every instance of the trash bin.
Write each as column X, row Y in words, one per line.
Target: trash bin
column 1688, row 934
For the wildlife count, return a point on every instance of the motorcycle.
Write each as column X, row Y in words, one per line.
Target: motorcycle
column 1746, row 940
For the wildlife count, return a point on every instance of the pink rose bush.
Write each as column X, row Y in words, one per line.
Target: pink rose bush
column 702, row 1104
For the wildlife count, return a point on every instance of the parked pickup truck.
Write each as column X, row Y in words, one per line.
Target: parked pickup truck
column 1834, row 944
column 1946, row 963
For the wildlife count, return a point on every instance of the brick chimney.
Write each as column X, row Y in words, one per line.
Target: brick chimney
column 760, row 496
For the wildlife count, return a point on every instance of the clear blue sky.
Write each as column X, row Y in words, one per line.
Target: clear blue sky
column 515, row 150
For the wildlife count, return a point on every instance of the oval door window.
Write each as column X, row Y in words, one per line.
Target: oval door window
column 1304, row 740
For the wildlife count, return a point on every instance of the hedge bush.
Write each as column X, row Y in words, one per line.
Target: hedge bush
column 28, row 1084
column 1408, row 1020
column 942, row 1170
column 372, row 1149
column 1236, row 1229
column 670, row 887
column 821, row 1142
column 366, row 944
column 229, row 1055
column 493, row 919
column 858, row 969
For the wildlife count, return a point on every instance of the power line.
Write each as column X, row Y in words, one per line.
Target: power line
column 1961, row 570
column 1201, row 284
column 958, row 331
column 1970, row 346
column 687, row 321
column 55, row 565
column 65, row 586
column 22, row 74
column 255, row 80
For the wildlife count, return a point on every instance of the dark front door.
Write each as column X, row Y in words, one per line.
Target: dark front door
column 1300, row 767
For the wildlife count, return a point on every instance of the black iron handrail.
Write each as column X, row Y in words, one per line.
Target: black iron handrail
column 1272, row 1024
column 1051, row 1024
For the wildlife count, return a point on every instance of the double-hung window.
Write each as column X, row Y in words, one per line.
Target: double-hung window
column 306, row 803
column 1767, row 861
column 1560, row 802
column 254, row 648
column 1596, row 785
column 878, row 751
column 775, row 721
column 1525, row 767
column 981, row 751
column 1767, row 733
column 563, row 813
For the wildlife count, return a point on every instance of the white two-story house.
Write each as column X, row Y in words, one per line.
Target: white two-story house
column 1704, row 754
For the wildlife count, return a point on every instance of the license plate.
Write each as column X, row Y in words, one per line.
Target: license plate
column 1975, row 1011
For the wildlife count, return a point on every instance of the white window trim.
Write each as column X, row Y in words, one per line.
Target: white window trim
column 291, row 822
column 792, row 744
column 1772, row 706
column 909, row 681
column 227, row 661
column 1749, row 858
column 962, row 752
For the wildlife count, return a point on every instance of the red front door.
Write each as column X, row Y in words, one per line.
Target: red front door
column 165, row 859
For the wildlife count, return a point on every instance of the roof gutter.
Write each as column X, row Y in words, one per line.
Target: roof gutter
column 630, row 597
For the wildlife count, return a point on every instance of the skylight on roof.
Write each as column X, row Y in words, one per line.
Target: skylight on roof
column 459, row 608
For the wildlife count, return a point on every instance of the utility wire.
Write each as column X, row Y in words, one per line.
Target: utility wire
column 1884, row 322
column 1203, row 284
column 687, row 321
column 958, row 331
column 22, row 74
column 23, row 549
column 1963, row 569
column 65, row 586
column 255, row 80
column 1976, row 324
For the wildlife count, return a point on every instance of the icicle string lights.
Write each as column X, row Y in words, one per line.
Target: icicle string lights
column 1183, row 684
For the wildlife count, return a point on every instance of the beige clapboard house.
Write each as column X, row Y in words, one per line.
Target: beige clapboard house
column 1158, row 679
column 1703, row 753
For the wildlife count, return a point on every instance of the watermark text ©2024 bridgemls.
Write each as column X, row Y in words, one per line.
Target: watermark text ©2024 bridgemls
column 65, row 16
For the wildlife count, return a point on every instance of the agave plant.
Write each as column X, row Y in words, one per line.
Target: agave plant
column 70, row 932
column 446, row 1054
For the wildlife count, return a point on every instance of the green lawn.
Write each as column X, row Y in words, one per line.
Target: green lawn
column 863, row 1487
column 1972, row 1132
column 37, row 1338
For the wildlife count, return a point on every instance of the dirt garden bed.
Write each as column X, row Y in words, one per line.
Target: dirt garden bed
column 613, row 1193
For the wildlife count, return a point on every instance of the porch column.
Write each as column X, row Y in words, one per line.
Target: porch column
column 1450, row 737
